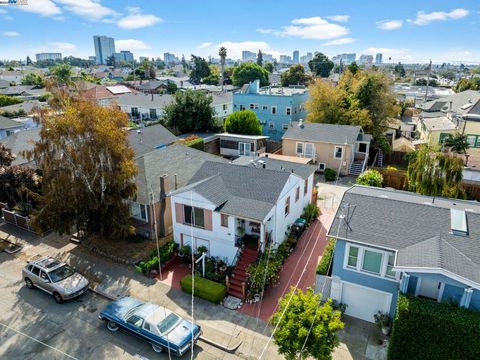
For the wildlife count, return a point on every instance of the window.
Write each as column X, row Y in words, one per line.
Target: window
column 44, row 276
column 135, row 320
column 338, row 152
column 352, row 257
column 305, row 187
column 271, row 125
column 285, row 126
column 253, row 106
column 309, row 150
column 193, row 216
column 242, row 107
column 224, row 107
column 471, row 140
column 274, row 110
column 442, row 136
column 372, row 261
column 138, row 211
column 391, row 262
column 264, row 107
column 297, row 194
column 287, row 206
column 135, row 112
column 146, row 326
column 36, row 271
column 224, row 220
column 245, row 149
column 288, row 111
column 362, row 148
column 153, row 113
column 299, row 148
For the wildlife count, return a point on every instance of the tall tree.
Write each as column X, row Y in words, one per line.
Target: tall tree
column 244, row 122
column 260, row 58
column 305, row 327
column 184, row 64
column 435, row 173
column 87, row 167
column 268, row 66
column 33, row 79
column 222, row 52
column 200, row 69
column 321, row 65
column 248, row 72
column 399, row 70
column 294, row 76
column 62, row 74
column 190, row 112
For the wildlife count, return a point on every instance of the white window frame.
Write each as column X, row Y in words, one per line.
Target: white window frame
column 322, row 166
column 358, row 267
column 133, row 203
column 288, row 110
column 243, row 146
column 309, row 154
column 296, row 148
column 274, row 110
column 253, row 106
column 265, row 107
column 335, row 152
column 285, row 126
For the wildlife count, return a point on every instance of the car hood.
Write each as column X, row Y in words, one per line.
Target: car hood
column 74, row 282
column 120, row 307
column 181, row 334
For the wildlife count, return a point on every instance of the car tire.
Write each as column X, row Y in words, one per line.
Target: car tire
column 58, row 298
column 112, row 326
column 157, row 348
column 29, row 283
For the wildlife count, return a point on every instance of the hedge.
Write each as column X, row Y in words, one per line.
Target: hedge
column 329, row 174
column 427, row 330
column 197, row 143
column 323, row 266
column 204, row 288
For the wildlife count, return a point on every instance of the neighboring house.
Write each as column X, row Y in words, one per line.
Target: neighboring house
column 17, row 90
column 235, row 145
column 159, row 173
column 22, row 141
column 343, row 148
column 27, row 107
column 222, row 104
column 276, row 107
column 12, row 76
column 390, row 241
column 147, row 139
column 224, row 202
column 9, row 127
column 4, row 84
column 143, row 106
column 104, row 95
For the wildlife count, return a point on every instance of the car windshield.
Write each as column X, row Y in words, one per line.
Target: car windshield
column 168, row 323
column 61, row 273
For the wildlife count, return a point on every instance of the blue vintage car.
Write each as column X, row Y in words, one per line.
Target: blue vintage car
column 162, row 328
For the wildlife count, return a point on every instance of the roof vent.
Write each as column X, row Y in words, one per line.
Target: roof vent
column 458, row 222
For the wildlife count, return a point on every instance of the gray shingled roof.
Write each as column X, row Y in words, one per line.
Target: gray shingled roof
column 154, row 101
column 239, row 190
column 6, row 123
column 329, row 133
column 458, row 101
column 417, row 226
column 175, row 159
column 302, row 170
column 26, row 106
column 144, row 140
column 21, row 141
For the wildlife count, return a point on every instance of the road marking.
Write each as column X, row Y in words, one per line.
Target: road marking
column 38, row 341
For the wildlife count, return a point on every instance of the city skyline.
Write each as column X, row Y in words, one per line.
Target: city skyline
column 410, row 32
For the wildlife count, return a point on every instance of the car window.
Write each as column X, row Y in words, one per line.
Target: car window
column 168, row 323
column 61, row 273
column 29, row 267
column 36, row 271
column 135, row 321
column 146, row 326
column 44, row 276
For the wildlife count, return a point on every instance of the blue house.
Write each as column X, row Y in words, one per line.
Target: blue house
column 391, row 241
column 275, row 107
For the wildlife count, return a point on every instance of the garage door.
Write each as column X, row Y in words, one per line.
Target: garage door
column 363, row 302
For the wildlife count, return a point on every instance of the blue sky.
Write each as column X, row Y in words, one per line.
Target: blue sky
column 407, row 31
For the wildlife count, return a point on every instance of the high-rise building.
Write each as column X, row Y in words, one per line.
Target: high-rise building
column 378, row 59
column 123, row 55
column 296, row 57
column 104, row 48
column 169, row 58
column 267, row 57
column 285, row 59
column 48, row 56
column 366, row 59
column 248, row 56
column 345, row 59
column 92, row 58
column 309, row 57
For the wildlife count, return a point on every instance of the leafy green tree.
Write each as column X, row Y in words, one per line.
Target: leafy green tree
column 171, row 87
column 6, row 100
column 111, row 61
column 19, row 187
column 305, row 327
column 399, row 70
column 269, row 67
column 213, row 78
column 467, row 84
column 423, row 82
column 321, row 65
column 294, row 76
column 260, row 58
column 435, row 173
column 62, row 73
column 190, row 112
column 456, row 143
column 353, row 68
column 87, row 168
column 370, row 178
column 200, row 69
column 244, row 122
column 248, row 72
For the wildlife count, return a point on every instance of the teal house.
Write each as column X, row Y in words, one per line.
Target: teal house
column 275, row 107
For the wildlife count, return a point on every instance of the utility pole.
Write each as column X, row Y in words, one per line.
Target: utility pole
column 428, row 80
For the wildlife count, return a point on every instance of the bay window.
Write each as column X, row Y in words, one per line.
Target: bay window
column 370, row 261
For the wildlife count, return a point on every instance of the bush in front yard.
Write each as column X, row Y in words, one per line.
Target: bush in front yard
column 323, row 266
column 370, row 177
column 427, row 330
column 204, row 288
column 330, row 174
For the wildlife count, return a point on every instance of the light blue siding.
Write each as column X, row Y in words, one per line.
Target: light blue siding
column 412, row 285
column 475, row 301
column 452, row 294
column 363, row 279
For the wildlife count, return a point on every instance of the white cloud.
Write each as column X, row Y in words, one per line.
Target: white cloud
column 341, row 41
column 265, row 31
column 131, row 44
column 426, row 18
column 389, row 24
column 41, row 7
column 339, row 18
column 10, row 33
column 91, row 9
column 204, row 45
column 137, row 20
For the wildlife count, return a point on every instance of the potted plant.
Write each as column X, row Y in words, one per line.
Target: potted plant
column 201, row 250
column 185, row 253
column 383, row 321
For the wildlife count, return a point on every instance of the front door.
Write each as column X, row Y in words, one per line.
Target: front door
column 429, row 288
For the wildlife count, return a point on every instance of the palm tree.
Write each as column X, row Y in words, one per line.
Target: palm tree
column 222, row 52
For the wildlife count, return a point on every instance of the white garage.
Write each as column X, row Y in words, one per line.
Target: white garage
column 364, row 302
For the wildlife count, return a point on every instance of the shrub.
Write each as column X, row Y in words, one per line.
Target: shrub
column 324, row 265
column 311, row 212
column 196, row 143
column 427, row 330
column 330, row 174
column 9, row 100
column 370, row 178
column 204, row 288
column 243, row 122
column 166, row 252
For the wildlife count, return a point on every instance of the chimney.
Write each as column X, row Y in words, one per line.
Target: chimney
column 164, row 186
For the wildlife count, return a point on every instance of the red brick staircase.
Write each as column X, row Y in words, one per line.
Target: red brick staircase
column 239, row 275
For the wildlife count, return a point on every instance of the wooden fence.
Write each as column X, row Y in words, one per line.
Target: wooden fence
column 396, row 179
column 17, row 220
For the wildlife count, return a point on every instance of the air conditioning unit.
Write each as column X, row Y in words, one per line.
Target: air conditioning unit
column 322, row 167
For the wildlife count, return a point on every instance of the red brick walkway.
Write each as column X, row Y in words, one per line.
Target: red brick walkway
column 299, row 268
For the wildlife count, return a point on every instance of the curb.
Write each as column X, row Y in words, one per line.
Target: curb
column 102, row 294
column 219, row 346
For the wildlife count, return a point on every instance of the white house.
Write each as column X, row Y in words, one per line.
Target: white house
column 224, row 202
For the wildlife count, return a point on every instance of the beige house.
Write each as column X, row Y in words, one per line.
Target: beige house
column 343, row 148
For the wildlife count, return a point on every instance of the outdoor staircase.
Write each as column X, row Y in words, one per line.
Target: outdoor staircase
column 239, row 275
column 380, row 158
column 356, row 168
